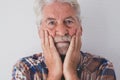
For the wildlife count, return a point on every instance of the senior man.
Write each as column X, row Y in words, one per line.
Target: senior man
column 60, row 31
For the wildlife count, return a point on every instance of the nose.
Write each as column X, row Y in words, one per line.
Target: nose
column 61, row 30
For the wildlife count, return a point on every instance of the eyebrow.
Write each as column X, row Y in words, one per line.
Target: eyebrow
column 50, row 19
column 70, row 17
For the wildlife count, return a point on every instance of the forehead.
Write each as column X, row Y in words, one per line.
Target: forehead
column 58, row 10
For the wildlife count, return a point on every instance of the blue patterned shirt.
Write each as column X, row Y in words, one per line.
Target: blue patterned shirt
column 91, row 67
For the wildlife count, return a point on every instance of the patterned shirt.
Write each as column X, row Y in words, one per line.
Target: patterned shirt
column 91, row 67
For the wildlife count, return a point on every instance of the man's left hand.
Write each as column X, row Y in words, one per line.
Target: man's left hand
column 72, row 58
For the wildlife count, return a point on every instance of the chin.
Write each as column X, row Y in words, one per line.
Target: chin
column 62, row 52
column 62, row 49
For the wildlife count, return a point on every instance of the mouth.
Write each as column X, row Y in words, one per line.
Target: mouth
column 62, row 42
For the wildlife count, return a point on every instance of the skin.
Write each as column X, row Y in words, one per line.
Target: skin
column 59, row 19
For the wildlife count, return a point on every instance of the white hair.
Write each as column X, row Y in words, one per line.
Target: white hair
column 39, row 4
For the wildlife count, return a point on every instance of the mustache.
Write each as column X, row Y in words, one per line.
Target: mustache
column 66, row 38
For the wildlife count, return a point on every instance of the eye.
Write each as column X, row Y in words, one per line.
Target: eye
column 51, row 23
column 68, row 22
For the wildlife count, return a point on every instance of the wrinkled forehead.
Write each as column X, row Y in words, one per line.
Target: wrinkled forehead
column 58, row 10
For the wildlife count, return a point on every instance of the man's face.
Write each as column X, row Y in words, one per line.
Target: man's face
column 60, row 20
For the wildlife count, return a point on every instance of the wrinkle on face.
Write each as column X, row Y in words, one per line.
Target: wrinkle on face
column 61, row 34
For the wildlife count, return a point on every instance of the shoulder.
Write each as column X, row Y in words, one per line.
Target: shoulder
column 27, row 66
column 26, row 63
column 98, row 66
column 94, row 62
column 89, row 56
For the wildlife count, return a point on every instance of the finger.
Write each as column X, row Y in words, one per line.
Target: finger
column 46, row 39
column 42, row 35
column 78, row 32
column 53, row 49
column 52, row 45
column 72, row 46
column 77, row 42
column 46, row 45
column 70, row 50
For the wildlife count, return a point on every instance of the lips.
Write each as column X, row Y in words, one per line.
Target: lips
column 62, row 39
column 62, row 42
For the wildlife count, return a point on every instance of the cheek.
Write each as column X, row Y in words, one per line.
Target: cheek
column 72, row 31
column 51, row 32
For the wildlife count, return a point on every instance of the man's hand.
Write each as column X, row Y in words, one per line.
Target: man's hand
column 72, row 58
column 52, row 58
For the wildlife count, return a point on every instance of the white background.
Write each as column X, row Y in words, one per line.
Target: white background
column 19, row 38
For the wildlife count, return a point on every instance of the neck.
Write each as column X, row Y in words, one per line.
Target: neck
column 62, row 58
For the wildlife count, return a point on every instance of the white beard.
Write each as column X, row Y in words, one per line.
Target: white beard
column 62, row 43
column 62, row 48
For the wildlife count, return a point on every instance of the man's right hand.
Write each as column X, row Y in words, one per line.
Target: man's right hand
column 52, row 58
